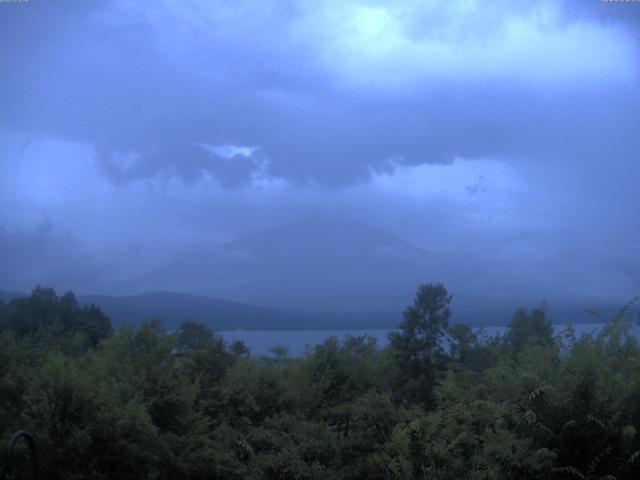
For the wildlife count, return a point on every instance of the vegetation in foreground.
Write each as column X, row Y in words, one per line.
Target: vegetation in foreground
column 438, row 403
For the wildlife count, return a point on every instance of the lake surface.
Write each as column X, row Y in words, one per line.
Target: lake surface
column 297, row 341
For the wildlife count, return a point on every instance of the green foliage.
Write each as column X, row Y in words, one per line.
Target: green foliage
column 43, row 316
column 418, row 347
column 439, row 402
column 529, row 329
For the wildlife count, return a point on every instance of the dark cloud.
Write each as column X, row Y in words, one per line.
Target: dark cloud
column 155, row 81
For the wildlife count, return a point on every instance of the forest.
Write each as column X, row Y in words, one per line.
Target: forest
column 441, row 401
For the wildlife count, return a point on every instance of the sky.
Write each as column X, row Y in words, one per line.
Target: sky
column 502, row 136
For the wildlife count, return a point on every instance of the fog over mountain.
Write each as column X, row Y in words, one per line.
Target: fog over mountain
column 314, row 264
column 323, row 156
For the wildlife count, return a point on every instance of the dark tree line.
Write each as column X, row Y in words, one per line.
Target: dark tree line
column 439, row 402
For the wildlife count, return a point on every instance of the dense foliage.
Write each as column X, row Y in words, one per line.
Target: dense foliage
column 440, row 402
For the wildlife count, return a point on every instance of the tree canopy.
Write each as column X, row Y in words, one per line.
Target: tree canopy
column 440, row 401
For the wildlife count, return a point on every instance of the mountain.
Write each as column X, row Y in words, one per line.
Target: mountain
column 173, row 308
column 314, row 265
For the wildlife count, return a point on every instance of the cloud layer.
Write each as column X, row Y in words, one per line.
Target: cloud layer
column 324, row 91
column 499, row 133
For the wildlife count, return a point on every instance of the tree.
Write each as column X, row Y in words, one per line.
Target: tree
column 193, row 336
column 43, row 316
column 529, row 328
column 280, row 352
column 239, row 348
column 418, row 346
column 463, row 341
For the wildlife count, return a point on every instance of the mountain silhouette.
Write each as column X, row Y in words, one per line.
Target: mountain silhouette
column 314, row 265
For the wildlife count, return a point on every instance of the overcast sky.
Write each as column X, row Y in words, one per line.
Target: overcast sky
column 501, row 134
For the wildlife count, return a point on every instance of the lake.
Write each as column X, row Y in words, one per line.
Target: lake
column 296, row 341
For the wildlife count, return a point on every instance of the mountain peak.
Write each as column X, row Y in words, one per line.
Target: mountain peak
column 312, row 264
column 323, row 236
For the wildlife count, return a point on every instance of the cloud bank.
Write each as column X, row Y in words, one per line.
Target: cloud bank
column 501, row 134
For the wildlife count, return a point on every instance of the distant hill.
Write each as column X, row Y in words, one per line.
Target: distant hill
column 312, row 265
column 173, row 308
column 7, row 295
column 559, row 314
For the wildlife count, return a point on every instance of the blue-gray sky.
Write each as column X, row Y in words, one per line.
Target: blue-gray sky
column 502, row 136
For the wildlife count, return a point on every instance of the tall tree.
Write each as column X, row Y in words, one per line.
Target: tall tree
column 418, row 347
